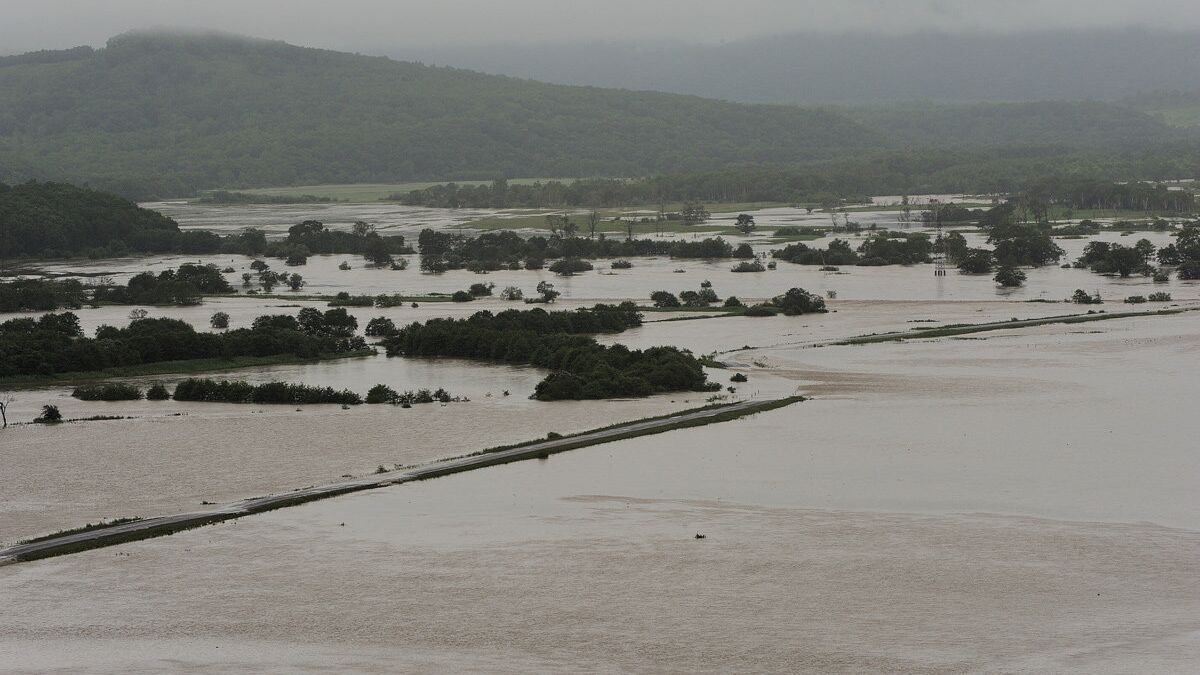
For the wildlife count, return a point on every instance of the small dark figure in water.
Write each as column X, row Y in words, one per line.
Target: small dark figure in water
column 700, row 536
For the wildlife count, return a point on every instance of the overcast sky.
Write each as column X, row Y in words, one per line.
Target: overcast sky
column 377, row 25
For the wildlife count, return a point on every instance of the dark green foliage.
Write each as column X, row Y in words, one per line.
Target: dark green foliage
column 490, row 251
column 976, row 261
column 107, row 391
column 731, row 301
column 198, row 111
column 380, row 326
column 621, row 265
column 381, row 393
column 53, row 345
column 738, row 377
column 462, row 296
column 838, row 253
column 1009, row 277
column 1108, row 258
column 41, row 295
column 54, row 219
column 1160, row 296
column 570, row 266
column 1081, row 297
column 760, row 310
column 344, row 299
column 332, row 323
column 157, row 392
column 799, row 301
column 1135, row 299
column 664, row 299
column 183, row 286
column 237, row 391
column 481, row 290
column 748, row 266
column 583, row 369
column 50, row 415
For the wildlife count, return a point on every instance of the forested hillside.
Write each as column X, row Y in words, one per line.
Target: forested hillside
column 56, row 219
column 160, row 114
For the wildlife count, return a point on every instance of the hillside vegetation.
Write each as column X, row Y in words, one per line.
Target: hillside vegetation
column 168, row 114
column 160, row 114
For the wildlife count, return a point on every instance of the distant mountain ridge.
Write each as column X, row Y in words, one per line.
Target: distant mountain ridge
column 164, row 114
column 860, row 68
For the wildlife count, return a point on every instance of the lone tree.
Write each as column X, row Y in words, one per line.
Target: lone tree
column 546, row 290
column 50, row 415
column 295, row 282
column 5, row 400
column 219, row 321
column 745, row 223
column 1009, row 277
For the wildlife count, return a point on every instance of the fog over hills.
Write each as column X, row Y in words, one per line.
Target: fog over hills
column 168, row 113
column 860, row 67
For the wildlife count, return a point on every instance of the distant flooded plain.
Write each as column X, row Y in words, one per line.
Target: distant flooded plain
column 1017, row 500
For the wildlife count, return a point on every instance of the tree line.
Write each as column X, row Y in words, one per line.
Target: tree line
column 490, row 251
column 560, row 342
column 54, row 344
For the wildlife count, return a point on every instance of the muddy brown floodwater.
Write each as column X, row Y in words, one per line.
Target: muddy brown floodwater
column 1020, row 501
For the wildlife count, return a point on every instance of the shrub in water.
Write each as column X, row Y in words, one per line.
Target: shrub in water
column 107, row 391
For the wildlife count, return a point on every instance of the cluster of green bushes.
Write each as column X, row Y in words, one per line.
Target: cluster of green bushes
column 183, row 286
column 794, row 302
column 558, row 341
column 54, row 343
column 41, row 295
column 186, row 285
column 381, row 393
column 880, row 249
column 238, row 391
column 58, row 220
column 703, row 297
column 107, row 391
column 441, row 251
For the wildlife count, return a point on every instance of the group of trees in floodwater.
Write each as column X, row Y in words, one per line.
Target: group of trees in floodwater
column 208, row 390
column 186, row 285
column 892, row 248
column 490, row 251
column 558, row 341
column 53, row 220
column 54, row 344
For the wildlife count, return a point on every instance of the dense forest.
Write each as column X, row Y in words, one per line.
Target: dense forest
column 58, row 220
column 54, row 344
column 490, row 251
column 558, row 341
column 47, row 219
column 209, row 111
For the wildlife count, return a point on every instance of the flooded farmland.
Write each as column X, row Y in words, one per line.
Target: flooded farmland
column 1013, row 500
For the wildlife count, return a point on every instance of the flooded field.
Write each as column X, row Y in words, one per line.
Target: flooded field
column 1017, row 500
column 1023, row 502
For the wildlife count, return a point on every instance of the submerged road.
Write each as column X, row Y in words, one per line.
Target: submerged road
column 151, row 527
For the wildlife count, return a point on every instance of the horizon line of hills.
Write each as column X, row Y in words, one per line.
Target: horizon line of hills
column 167, row 114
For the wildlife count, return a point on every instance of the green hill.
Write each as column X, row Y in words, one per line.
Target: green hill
column 167, row 114
column 162, row 114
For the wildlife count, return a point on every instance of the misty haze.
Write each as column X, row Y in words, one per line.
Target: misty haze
column 659, row 336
